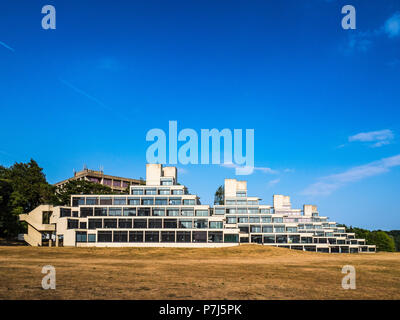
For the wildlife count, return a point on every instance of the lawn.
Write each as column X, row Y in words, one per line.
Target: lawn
column 243, row 272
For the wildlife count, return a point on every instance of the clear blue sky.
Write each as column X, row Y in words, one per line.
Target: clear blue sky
column 88, row 92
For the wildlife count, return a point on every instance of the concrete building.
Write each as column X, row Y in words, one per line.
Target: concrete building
column 163, row 213
column 117, row 184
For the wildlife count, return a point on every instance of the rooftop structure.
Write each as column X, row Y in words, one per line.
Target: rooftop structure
column 164, row 213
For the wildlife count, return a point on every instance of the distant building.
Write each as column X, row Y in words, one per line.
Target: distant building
column 163, row 213
column 117, row 184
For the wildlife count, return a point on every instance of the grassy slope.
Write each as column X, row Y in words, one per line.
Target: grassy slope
column 245, row 272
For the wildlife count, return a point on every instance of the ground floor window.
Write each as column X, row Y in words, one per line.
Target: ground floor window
column 120, row 236
column 167, row 236
column 269, row 239
column 199, row 236
column 152, row 236
column 256, row 238
column 104, row 236
column 215, row 236
column 81, row 236
column 183, row 236
column 91, row 238
column 231, row 238
column 135, row 236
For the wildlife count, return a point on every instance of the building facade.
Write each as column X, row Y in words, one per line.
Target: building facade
column 163, row 213
column 117, row 184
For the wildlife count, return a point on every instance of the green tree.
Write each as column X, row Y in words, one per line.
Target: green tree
column 219, row 195
column 382, row 240
column 396, row 236
column 8, row 222
column 63, row 194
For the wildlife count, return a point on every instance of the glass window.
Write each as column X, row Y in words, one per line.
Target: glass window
column 152, row 236
column 140, row 223
column 100, row 211
column 215, row 236
column 243, row 219
column 266, row 219
column 201, row 213
column 147, row 201
column 134, row 201
column 254, row 219
column 264, row 210
column 78, row 201
column 91, row 237
column 72, row 223
column 161, row 201
column 110, row 223
column 241, row 194
column 291, row 229
column 255, row 228
column 124, row 223
column 252, row 210
column 65, row 212
column 173, row 212
column 104, row 236
column 189, row 202
column 95, row 223
column 187, row 212
column 143, row 212
column 200, row 223
column 163, row 191
column 242, row 210
column 135, row 236
column 241, row 202
column 92, row 201
column 219, row 211
column 183, row 236
column 267, row 229
column 230, row 202
column 129, row 212
column 105, row 201
column 252, row 202
column 179, row 191
column 170, row 223
column 269, row 239
column 120, row 201
column 175, row 201
column 86, row 212
column 158, row 212
column 120, row 236
column 155, row 223
column 216, row 225
column 185, row 223
column 150, row 191
column 231, row 238
column 167, row 236
column 199, row 236
column 137, row 191
column 279, row 229
column 166, row 182
column 81, row 236
column 230, row 219
column 277, row 220
column 115, row 211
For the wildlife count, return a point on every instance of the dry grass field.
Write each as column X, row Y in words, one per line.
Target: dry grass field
column 244, row 272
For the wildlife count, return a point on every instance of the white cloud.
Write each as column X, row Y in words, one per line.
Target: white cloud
column 273, row 182
column 381, row 137
column 328, row 184
column 262, row 169
column 392, row 26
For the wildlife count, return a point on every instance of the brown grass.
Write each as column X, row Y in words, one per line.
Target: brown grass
column 244, row 272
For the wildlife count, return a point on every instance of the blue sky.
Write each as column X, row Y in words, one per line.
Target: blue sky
column 323, row 101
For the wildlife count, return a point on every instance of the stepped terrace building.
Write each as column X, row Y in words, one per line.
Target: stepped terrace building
column 163, row 213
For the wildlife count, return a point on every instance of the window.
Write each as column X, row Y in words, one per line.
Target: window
column 104, row 236
column 199, row 236
column 92, row 201
column 175, row 201
column 269, row 239
column 244, row 229
column 242, row 210
column 120, row 236
column 252, row 202
column 231, row 219
column 143, row 212
column 267, row 229
column 120, row 201
column 219, row 211
column 187, row 212
column 179, row 191
column 230, row 202
column 279, row 229
column 185, row 224
column 266, row 219
column 277, row 220
column 137, row 191
column 107, row 182
column 243, row 220
column 163, row 191
column 105, row 201
column 216, row 225
column 46, row 217
column 183, row 236
column 294, row 239
column 173, row 212
column 215, row 236
column 167, row 236
column 254, row 219
column 253, row 210
column 281, row 239
column 124, row 223
column 82, row 225
column 81, row 236
column 291, row 229
column 241, row 202
column 129, row 212
column 72, row 223
column 231, row 238
column 135, row 236
column 241, row 194
column 188, row 202
column 200, row 223
column 202, row 213
column 161, row 201
column 256, row 238
column 134, row 201
column 95, row 223
column 155, row 223
column 264, row 210
column 170, row 223
column 78, row 201
column 152, row 236
column 150, row 191
column 110, row 223
column 85, row 212
column 255, row 228
column 147, row 201
column 75, row 214
column 100, row 212
column 166, row 182
column 91, row 237
column 115, row 212
column 140, row 223
column 65, row 212
column 159, row 212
